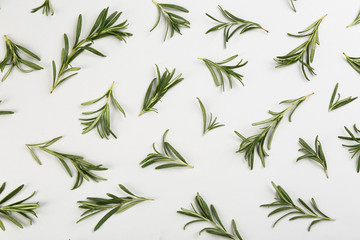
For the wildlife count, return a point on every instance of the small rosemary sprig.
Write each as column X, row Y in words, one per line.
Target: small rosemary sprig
column 339, row 103
column 2, row 112
column 233, row 25
column 354, row 62
column 46, row 8
column 102, row 121
column 173, row 21
column 285, row 203
column 256, row 142
column 21, row 208
column 114, row 204
column 355, row 148
column 293, row 5
column 305, row 52
column 218, row 70
column 84, row 169
column 316, row 155
column 202, row 213
column 14, row 58
column 211, row 124
column 158, row 87
column 356, row 20
column 104, row 26
column 169, row 158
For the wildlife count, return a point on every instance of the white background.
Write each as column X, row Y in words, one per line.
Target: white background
column 220, row 175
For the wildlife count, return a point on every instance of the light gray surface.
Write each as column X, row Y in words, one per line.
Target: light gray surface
column 220, row 175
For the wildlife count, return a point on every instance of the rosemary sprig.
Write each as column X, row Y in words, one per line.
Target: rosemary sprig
column 174, row 22
column 84, row 169
column 169, row 158
column 102, row 121
column 46, row 8
column 202, row 213
column 21, row 208
column 14, row 58
column 158, row 87
column 218, row 70
column 104, row 26
column 233, row 25
column 211, row 124
column 305, row 52
column 339, row 103
column 356, row 20
column 115, row 205
column 5, row 112
column 316, row 155
column 293, row 5
column 285, row 203
column 256, row 142
column 355, row 148
column 354, row 62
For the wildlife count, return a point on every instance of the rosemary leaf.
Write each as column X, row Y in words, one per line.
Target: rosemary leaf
column 339, row 103
column 46, row 8
column 2, row 112
column 354, row 62
column 115, row 205
column 203, row 213
column 211, row 124
column 168, row 159
column 284, row 204
column 293, row 5
column 356, row 20
column 256, row 142
column 84, row 169
column 355, row 148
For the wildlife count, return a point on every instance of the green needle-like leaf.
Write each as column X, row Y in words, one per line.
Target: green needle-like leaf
column 293, row 5
column 174, row 22
column 203, row 213
column 356, row 20
column 114, row 204
column 305, row 52
column 256, row 142
column 46, row 8
column 355, row 148
column 2, row 112
column 84, row 169
column 219, row 71
column 354, row 62
column 15, row 210
column 211, row 124
column 233, row 25
column 285, row 205
column 168, row 159
column 101, row 121
column 13, row 58
column 339, row 103
column 316, row 154
column 104, row 26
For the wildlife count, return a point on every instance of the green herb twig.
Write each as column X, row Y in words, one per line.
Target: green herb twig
column 218, row 70
column 233, row 25
column 211, row 124
column 356, row 20
column 355, row 148
column 114, row 204
column 256, row 142
column 104, row 26
column 339, row 103
column 203, row 213
column 21, row 208
column 158, row 88
column 169, row 158
column 174, row 22
column 84, row 169
column 354, row 62
column 46, row 8
column 14, row 58
column 305, row 52
column 102, row 121
column 293, row 5
column 2, row 112
column 316, row 155
column 284, row 203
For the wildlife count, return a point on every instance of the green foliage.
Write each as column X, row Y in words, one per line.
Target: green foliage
column 169, row 158
column 14, row 58
column 104, row 26
column 174, row 22
column 211, row 124
column 355, row 148
column 46, row 8
column 218, row 70
column 354, row 62
column 339, row 103
column 233, row 25
column 256, row 142
column 293, row 5
column 284, row 203
column 203, row 213
column 17, row 209
column 316, row 155
column 114, row 204
column 102, row 121
column 305, row 52
column 356, row 20
column 5, row 112
column 158, row 87
column 83, row 168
